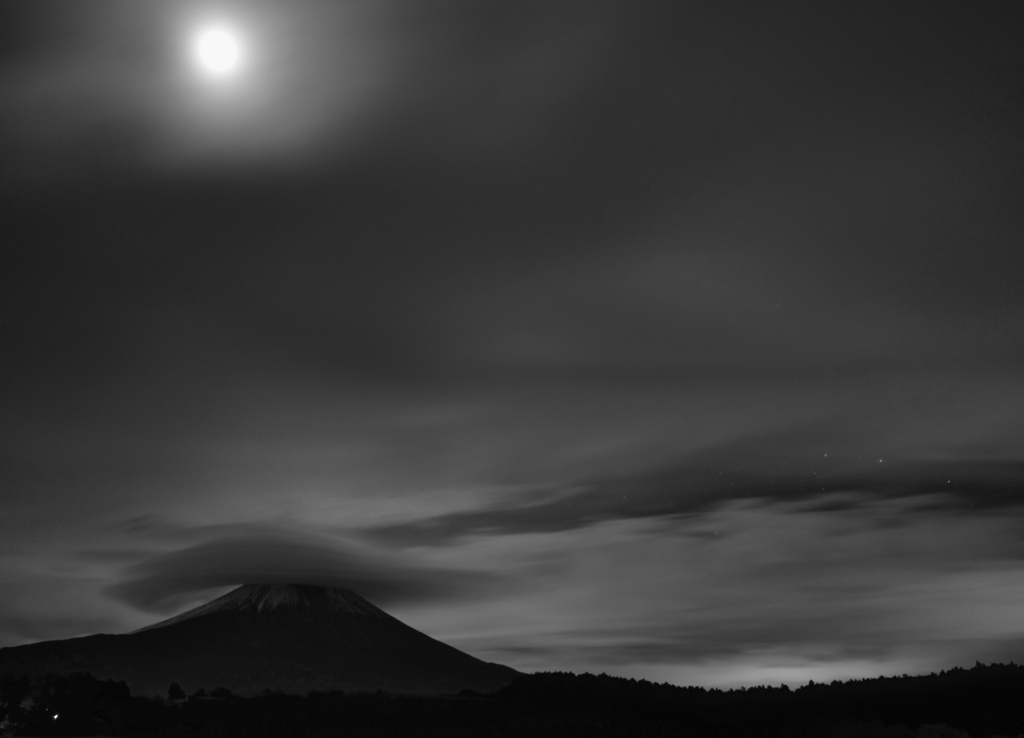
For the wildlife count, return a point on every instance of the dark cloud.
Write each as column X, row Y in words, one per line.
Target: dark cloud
column 159, row 582
column 714, row 479
column 417, row 255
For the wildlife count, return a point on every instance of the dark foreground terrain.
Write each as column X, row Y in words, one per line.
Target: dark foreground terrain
column 285, row 637
column 979, row 702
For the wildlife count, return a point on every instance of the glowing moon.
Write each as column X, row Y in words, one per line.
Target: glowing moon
column 218, row 51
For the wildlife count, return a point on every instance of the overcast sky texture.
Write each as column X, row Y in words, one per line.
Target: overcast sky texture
column 676, row 340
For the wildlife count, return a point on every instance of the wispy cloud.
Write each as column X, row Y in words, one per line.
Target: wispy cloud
column 879, row 586
column 769, row 469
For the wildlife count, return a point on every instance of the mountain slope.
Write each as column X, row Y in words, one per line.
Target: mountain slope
column 292, row 638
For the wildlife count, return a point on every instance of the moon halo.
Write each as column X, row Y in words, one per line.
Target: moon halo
column 218, row 51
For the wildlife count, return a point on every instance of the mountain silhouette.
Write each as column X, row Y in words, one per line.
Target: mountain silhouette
column 292, row 638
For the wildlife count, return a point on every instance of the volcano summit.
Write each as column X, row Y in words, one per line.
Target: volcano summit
column 293, row 638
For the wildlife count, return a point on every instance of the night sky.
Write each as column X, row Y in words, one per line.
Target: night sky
column 676, row 340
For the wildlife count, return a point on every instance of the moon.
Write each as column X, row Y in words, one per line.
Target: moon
column 218, row 51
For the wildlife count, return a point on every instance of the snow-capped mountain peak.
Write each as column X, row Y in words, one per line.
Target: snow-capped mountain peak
column 267, row 597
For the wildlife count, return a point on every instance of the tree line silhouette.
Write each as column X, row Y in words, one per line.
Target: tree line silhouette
column 980, row 702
